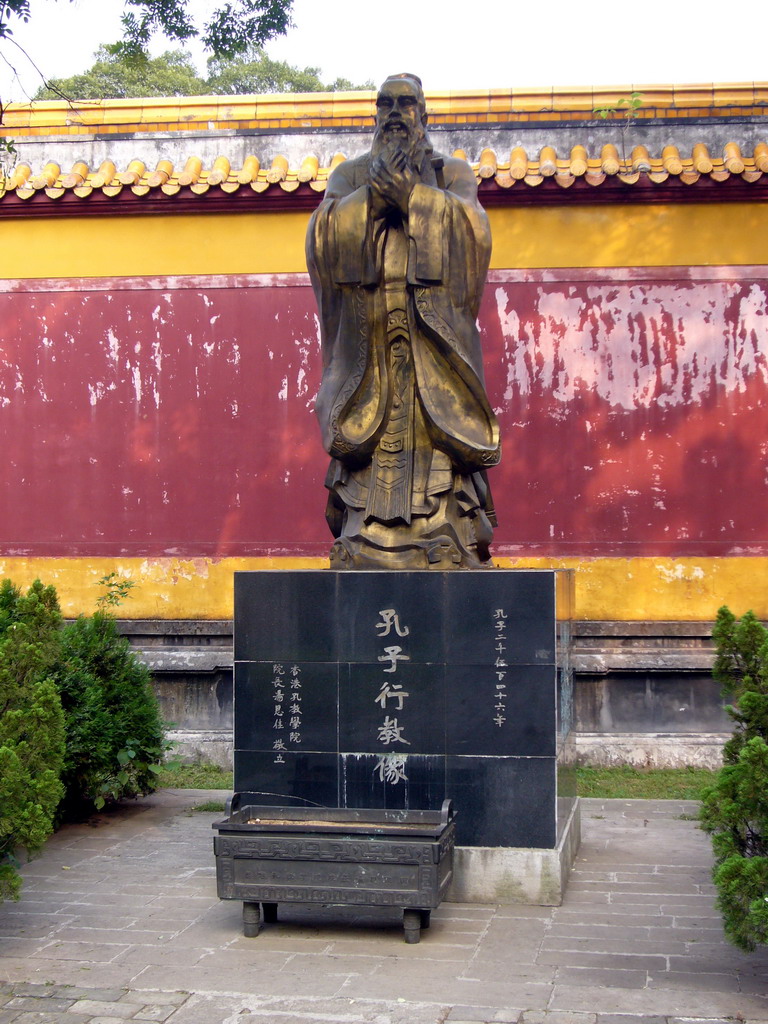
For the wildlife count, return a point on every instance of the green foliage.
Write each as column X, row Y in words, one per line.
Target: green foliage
column 79, row 722
column 741, row 668
column 117, row 74
column 229, row 29
column 37, row 611
column 31, row 725
column 735, row 808
column 12, row 9
column 737, row 649
column 114, row 736
column 254, row 72
column 117, row 588
column 115, row 739
column 626, row 107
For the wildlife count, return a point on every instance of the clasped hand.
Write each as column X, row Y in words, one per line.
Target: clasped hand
column 392, row 181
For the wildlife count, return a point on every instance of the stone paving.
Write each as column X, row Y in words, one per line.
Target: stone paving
column 119, row 921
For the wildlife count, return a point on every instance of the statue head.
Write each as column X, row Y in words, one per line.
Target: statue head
column 401, row 112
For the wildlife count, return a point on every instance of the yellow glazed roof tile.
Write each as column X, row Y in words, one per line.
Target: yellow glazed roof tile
column 498, row 101
column 488, row 164
column 761, row 157
column 728, row 93
column 732, row 158
column 528, row 170
column 461, row 104
column 697, row 95
column 575, row 97
column 531, row 100
column 702, row 161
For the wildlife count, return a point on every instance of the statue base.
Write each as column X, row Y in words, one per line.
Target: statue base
column 439, row 554
column 507, row 875
column 452, row 536
column 398, row 690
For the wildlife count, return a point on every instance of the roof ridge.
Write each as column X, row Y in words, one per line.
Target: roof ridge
column 357, row 108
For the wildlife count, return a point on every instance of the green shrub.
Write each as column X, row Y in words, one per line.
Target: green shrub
column 735, row 808
column 741, row 668
column 31, row 725
column 115, row 737
column 79, row 722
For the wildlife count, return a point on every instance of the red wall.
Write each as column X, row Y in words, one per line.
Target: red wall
column 174, row 416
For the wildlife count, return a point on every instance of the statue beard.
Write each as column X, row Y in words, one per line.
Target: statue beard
column 412, row 140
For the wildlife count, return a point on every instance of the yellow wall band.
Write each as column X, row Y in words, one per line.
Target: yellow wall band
column 263, row 243
column 651, row 235
column 623, row 589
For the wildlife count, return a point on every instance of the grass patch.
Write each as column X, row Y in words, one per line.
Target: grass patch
column 625, row 783
column 209, row 807
column 194, row 776
column 622, row 783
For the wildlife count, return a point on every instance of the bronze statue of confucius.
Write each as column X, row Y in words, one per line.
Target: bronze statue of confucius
column 397, row 253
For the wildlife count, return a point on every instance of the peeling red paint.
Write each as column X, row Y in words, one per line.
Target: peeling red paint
column 176, row 417
column 633, row 413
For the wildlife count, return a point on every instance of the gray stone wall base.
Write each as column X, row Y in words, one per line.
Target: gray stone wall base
column 210, row 746
column 640, row 750
column 649, row 750
column 500, row 874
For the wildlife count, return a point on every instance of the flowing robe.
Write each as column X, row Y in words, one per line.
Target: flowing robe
column 402, row 405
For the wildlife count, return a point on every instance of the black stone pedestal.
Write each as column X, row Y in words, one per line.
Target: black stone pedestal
column 402, row 689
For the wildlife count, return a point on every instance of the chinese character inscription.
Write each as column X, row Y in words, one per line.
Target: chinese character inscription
column 391, row 697
column 287, row 715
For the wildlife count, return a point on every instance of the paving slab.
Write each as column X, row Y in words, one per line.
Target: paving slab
column 119, row 921
column 471, row 1014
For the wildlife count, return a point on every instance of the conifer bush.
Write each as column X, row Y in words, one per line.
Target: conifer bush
column 79, row 721
column 115, row 736
column 31, row 725
column 735, row 809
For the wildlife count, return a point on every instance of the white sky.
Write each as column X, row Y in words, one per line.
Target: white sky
column 451, row 44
